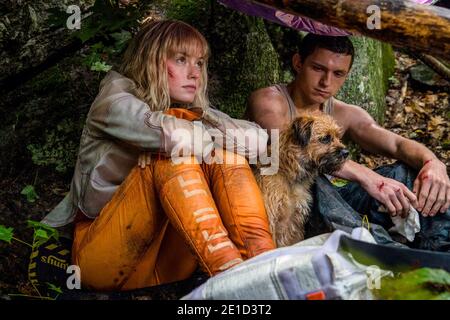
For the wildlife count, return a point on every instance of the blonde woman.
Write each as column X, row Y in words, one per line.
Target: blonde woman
column 138, row 226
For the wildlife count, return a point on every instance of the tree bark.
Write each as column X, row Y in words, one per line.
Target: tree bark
column 403, row 23
column 28, row 44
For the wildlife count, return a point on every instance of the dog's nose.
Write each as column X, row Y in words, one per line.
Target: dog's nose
column 344, row 153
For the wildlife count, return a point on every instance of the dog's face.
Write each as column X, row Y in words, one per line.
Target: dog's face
column 318, row 138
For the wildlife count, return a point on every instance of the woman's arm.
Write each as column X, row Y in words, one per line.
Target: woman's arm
column 130, row 120
column 245, row 137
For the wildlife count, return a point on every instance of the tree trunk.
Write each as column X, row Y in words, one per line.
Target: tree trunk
column 403, row 23
column 367, row 83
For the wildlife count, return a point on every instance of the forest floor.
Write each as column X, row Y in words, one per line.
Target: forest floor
column 413, row 110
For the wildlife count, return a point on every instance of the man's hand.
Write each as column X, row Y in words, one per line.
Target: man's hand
column 394, row 195
column 432, row 186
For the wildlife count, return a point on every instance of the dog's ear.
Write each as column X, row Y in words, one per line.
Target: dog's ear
column 302, row 130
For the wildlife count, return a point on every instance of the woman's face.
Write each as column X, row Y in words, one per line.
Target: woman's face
column 184, row 76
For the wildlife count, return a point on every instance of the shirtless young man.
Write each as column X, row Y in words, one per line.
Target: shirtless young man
column 321, row 68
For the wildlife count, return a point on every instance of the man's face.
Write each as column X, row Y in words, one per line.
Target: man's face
column 321, row 75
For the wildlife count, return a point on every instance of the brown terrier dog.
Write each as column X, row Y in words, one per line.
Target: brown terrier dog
column 309, row 147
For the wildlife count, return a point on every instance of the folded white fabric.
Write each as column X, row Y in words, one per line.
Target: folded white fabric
column 407, row 227
column 363, row 234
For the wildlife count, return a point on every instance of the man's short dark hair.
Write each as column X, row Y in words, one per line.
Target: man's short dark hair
column 338, row 44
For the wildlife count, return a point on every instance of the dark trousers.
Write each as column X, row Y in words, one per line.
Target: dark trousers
column 344, row 207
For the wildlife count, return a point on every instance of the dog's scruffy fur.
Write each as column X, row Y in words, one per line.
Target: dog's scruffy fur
column 308, row 147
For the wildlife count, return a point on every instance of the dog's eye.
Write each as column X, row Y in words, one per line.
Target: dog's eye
column 326, row 139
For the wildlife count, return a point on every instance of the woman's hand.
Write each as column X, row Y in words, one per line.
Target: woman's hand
column 144, row 159
column 432, row 186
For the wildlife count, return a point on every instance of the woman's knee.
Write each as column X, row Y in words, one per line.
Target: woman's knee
column 167, row 169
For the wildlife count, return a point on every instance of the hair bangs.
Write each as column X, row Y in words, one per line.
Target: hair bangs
column 189, row 41
column 145, row 60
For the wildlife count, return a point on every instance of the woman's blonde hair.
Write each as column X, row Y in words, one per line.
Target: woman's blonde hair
column 145, row 61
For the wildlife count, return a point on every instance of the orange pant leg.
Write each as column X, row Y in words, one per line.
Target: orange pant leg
column 189, row 205
column 118, row 250
column 132, row 244
column 240, row 203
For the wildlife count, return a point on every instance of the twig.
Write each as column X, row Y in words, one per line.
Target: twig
column 403, row 91
column 23, row 242
column 35, row 177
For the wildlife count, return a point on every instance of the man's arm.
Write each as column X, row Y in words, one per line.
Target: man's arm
column 394, row 195
column 432, row 184
column 370, row 136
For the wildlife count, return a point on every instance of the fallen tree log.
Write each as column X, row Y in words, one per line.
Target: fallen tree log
column 438, row 66
column 402, row 23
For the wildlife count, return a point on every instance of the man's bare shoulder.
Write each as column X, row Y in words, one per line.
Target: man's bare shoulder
column 268, row 98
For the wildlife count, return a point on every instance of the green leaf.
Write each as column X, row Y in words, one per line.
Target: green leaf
column 100, row 66
column 37, row 242
column 420, row 284
column 339, row 182
column 6, row 234
column 52, row 287
column 88, row 31
column 122, row 39
column 394, row 80
column 41, row 233
column 38, row 227
column 30, row 193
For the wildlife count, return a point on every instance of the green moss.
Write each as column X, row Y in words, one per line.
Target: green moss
column 251, row 64
column 47, row 81
column 388, row 59
column 368, row 80
column 42, row 117
column 194, row 12
column 60, row 147
column 286, row 41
